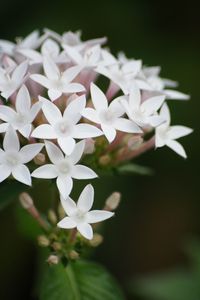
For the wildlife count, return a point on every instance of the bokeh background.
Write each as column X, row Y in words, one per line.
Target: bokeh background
column 158, row 214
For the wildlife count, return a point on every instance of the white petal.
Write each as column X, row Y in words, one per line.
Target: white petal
column 33, row 55
column 69, row 74
column 152, row 104
column 64, row 185
column 177, row 147
column 95, row 216
column 41, row 79
column 73, row 53
column 116, row 107
column 134, row 97
column 82, row 172
column 44, row 131
column 67, row 144
column 23, row 101
column 47, row 171
column 171, row 94
column 165, row 114
column 20, row 71
column 26, row 130
column 86, row 198
column 11, row 141
column 51, row 69
column 66, row 223
column 73, row 88
column 54, row 153
column 4, row 172
column 83, row 131
column 28, row 152
column 69, row 206
column 85, row 230
column 7, row 114
column 109, row 132
column 51, row 111
column 22, row 174
column 155, row 121
column 74, row 109
column 126, row 126
column 91, row 114
column 77, row 152
column 35, row 110
column 54, row 94
column 99, row 100
column 4, row 127
column 175, row 132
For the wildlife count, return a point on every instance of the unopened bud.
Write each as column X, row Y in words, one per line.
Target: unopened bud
column 61, row 212
column 104, row 160
column 73, row 255
column 53, row 260
column 39, row 159
column 113, row 201
column 52, row 217
column 56, row 246
column 96, row 240
column 25, row 200
column 134, row 142
column 43, row 241
column 89, row 146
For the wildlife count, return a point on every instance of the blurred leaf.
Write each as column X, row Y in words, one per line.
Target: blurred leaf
column 9, row 190
column 134, row 168
column 80, row 280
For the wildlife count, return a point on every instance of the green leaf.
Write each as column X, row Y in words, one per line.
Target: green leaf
column 80, row 280
column 134, row 168
column 9, row 190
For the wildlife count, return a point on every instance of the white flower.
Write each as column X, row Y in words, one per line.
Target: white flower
column 167, row 135
column 13, row 159
column 22, row 118
column 64, row 127
column 64, row 168
column 108, row 116
column 10, row 83
column 143, row 113
column 79, row 214
column 57, row 82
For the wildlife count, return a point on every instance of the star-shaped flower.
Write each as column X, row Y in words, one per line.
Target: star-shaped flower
column 13, row 159
column 79, row 214
column 22, row 118
column 64, row 168
column 57, row 82
column 167, row 135
column 143, row 113
column 9, row 83
column 64, row 127
column 108, row 116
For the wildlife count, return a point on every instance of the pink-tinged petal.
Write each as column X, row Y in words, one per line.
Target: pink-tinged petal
column 91, row 114
column 20, row 71
column 152, row 104
column 109, row 132
column 134, row 97
column 4, row 127
column 99, row 100
column 44, row 131
column 11, row 141
column 50, row 68
column 86, row 198
column 7, row 114
column 54, row 94
column 171, row 94
column 47, row 172
column 177, row 147
column 26, row 130
column 23, row 101
column 51, row 111
column 64, row 185
column 28, row 152
column 69, row 74
column 4, row 172
column 73, row 88
column 74, row 109
column 77, row 152
column 22, row 174
column 41, row 79
column 54, row 153
column 96, row 216
column 85, row 230
column 67, row 144
column 67, row 223
column 126, row 126
column 176, row 132
column 69, row 206
column 82, row 172
column 83, row 131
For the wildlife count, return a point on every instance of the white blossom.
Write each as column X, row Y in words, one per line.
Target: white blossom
column 80, row 215
column 64, row 168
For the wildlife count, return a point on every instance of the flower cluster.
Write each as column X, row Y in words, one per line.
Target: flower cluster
column 53, row 109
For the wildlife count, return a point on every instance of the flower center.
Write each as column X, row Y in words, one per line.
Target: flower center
column 107, row 116
column 64, row 167
column 63, row 128
column 12, row 159
column 20, row 119
column 80, row 216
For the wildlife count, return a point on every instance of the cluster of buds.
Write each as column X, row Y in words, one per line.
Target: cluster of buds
column 54, row 113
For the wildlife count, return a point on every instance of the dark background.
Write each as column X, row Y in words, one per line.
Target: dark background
column 158, row 214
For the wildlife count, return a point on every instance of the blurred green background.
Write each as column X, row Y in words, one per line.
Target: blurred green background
column 158, row 214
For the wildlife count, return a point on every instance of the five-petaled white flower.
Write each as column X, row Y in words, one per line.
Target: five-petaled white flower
column 9, row 83
column 64, row 168
column 143, row 113
column 64, row 127
column 22, row 118
column 79, row 214
column 13, row 159
column 108, row 116
column 58, row 82
column 167, row 135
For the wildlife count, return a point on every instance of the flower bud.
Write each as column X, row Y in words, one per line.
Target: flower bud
column 53, row 260
column 104, row 160
column 73, row 255
column 61, row 212
column 56, row 246
column 25, row 200
column 89, row 146
column 113, row 201
column 52, row 217
column 96, row 240
column 39, row 159
column 43, row 241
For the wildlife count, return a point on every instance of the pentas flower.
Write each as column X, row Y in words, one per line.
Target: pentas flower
column 108, row 116
column 64, row 127
column 57, row 82
column 64, row 168
column 22, row 118
column 167, row 135
column 13, row 159
column 9, row 83
column 143, row 113
column 80, row 215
